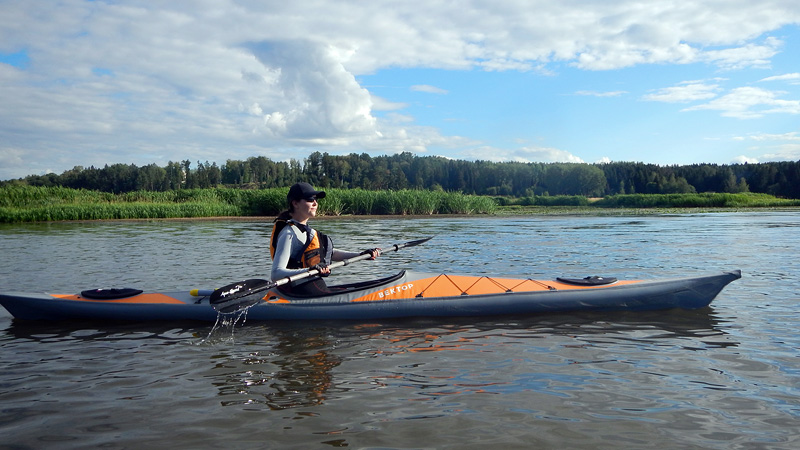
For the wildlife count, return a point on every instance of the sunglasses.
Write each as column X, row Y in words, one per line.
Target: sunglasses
column 310, row 199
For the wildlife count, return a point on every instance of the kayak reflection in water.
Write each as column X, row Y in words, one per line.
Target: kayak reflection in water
column 295, row 247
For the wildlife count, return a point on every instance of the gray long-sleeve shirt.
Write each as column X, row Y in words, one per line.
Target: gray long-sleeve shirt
column 289, row 245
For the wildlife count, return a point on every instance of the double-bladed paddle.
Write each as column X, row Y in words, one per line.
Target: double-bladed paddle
column 242, row 295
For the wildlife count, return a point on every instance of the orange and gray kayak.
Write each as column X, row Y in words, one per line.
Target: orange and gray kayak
column 406, row 294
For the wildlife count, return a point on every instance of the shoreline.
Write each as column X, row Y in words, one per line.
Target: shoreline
column 546, row 211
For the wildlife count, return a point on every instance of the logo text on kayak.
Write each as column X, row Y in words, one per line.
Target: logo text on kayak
column 395, row 290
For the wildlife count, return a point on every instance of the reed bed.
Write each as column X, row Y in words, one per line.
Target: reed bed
column 557, row 200
column 36, row 204
column 403, row 202
column 648, row 201
column 702, row 200
column 106, row 211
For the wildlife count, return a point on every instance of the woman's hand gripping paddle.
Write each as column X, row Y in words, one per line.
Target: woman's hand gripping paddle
column 239, row 296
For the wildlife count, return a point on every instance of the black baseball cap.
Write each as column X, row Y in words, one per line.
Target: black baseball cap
column 303, row 190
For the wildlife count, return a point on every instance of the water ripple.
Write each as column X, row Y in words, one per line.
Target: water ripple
column 720, row 377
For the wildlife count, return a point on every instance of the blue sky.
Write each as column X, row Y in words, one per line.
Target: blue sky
column 94, row 83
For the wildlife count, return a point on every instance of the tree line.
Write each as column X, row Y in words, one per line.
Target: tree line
column 408, row 171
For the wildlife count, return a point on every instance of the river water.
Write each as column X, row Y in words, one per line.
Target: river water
column 725, row 377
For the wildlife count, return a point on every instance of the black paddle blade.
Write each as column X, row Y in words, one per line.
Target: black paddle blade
column 239, row 296
column 238, row 290
column 237, row 304
column 412, row 243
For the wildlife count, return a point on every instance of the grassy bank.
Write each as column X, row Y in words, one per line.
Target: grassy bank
column 702, row 200
column 37, row 204
column 34, row 204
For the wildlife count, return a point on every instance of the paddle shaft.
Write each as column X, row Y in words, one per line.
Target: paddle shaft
column 312, row 272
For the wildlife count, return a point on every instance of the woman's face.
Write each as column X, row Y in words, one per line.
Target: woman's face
column 305, row 209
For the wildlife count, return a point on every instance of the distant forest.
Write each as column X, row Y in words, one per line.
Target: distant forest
column 408, row 171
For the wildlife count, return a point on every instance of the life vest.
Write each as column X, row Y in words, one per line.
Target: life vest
column 317, row 250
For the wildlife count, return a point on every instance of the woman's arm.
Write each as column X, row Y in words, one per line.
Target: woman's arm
column 341, row 255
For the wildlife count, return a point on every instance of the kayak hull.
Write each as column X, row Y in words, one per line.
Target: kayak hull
column 405, row 295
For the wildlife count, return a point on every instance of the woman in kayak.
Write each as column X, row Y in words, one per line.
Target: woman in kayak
column 297, row 248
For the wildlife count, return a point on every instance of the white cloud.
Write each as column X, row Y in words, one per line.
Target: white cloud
column 684, row 93
column 146, row 82
column 772, row 147
column 741, row 159
column 12, row 157
column 321, row 99
column 601, row 94
column 787, row 152
column 784, row 77
column 381, row 104
column 750, row 103
column 544, row 154
column 792, row 136
column 522, row 154
column 750, row 55
column 396, row 118
column 429, row 89
column 255, row 109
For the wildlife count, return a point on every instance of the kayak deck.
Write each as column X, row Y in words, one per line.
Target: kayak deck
column 407, row 294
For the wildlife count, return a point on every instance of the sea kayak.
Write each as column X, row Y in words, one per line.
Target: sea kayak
column 406, row 294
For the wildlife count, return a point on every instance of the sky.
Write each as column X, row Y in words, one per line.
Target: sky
column 90, row 83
